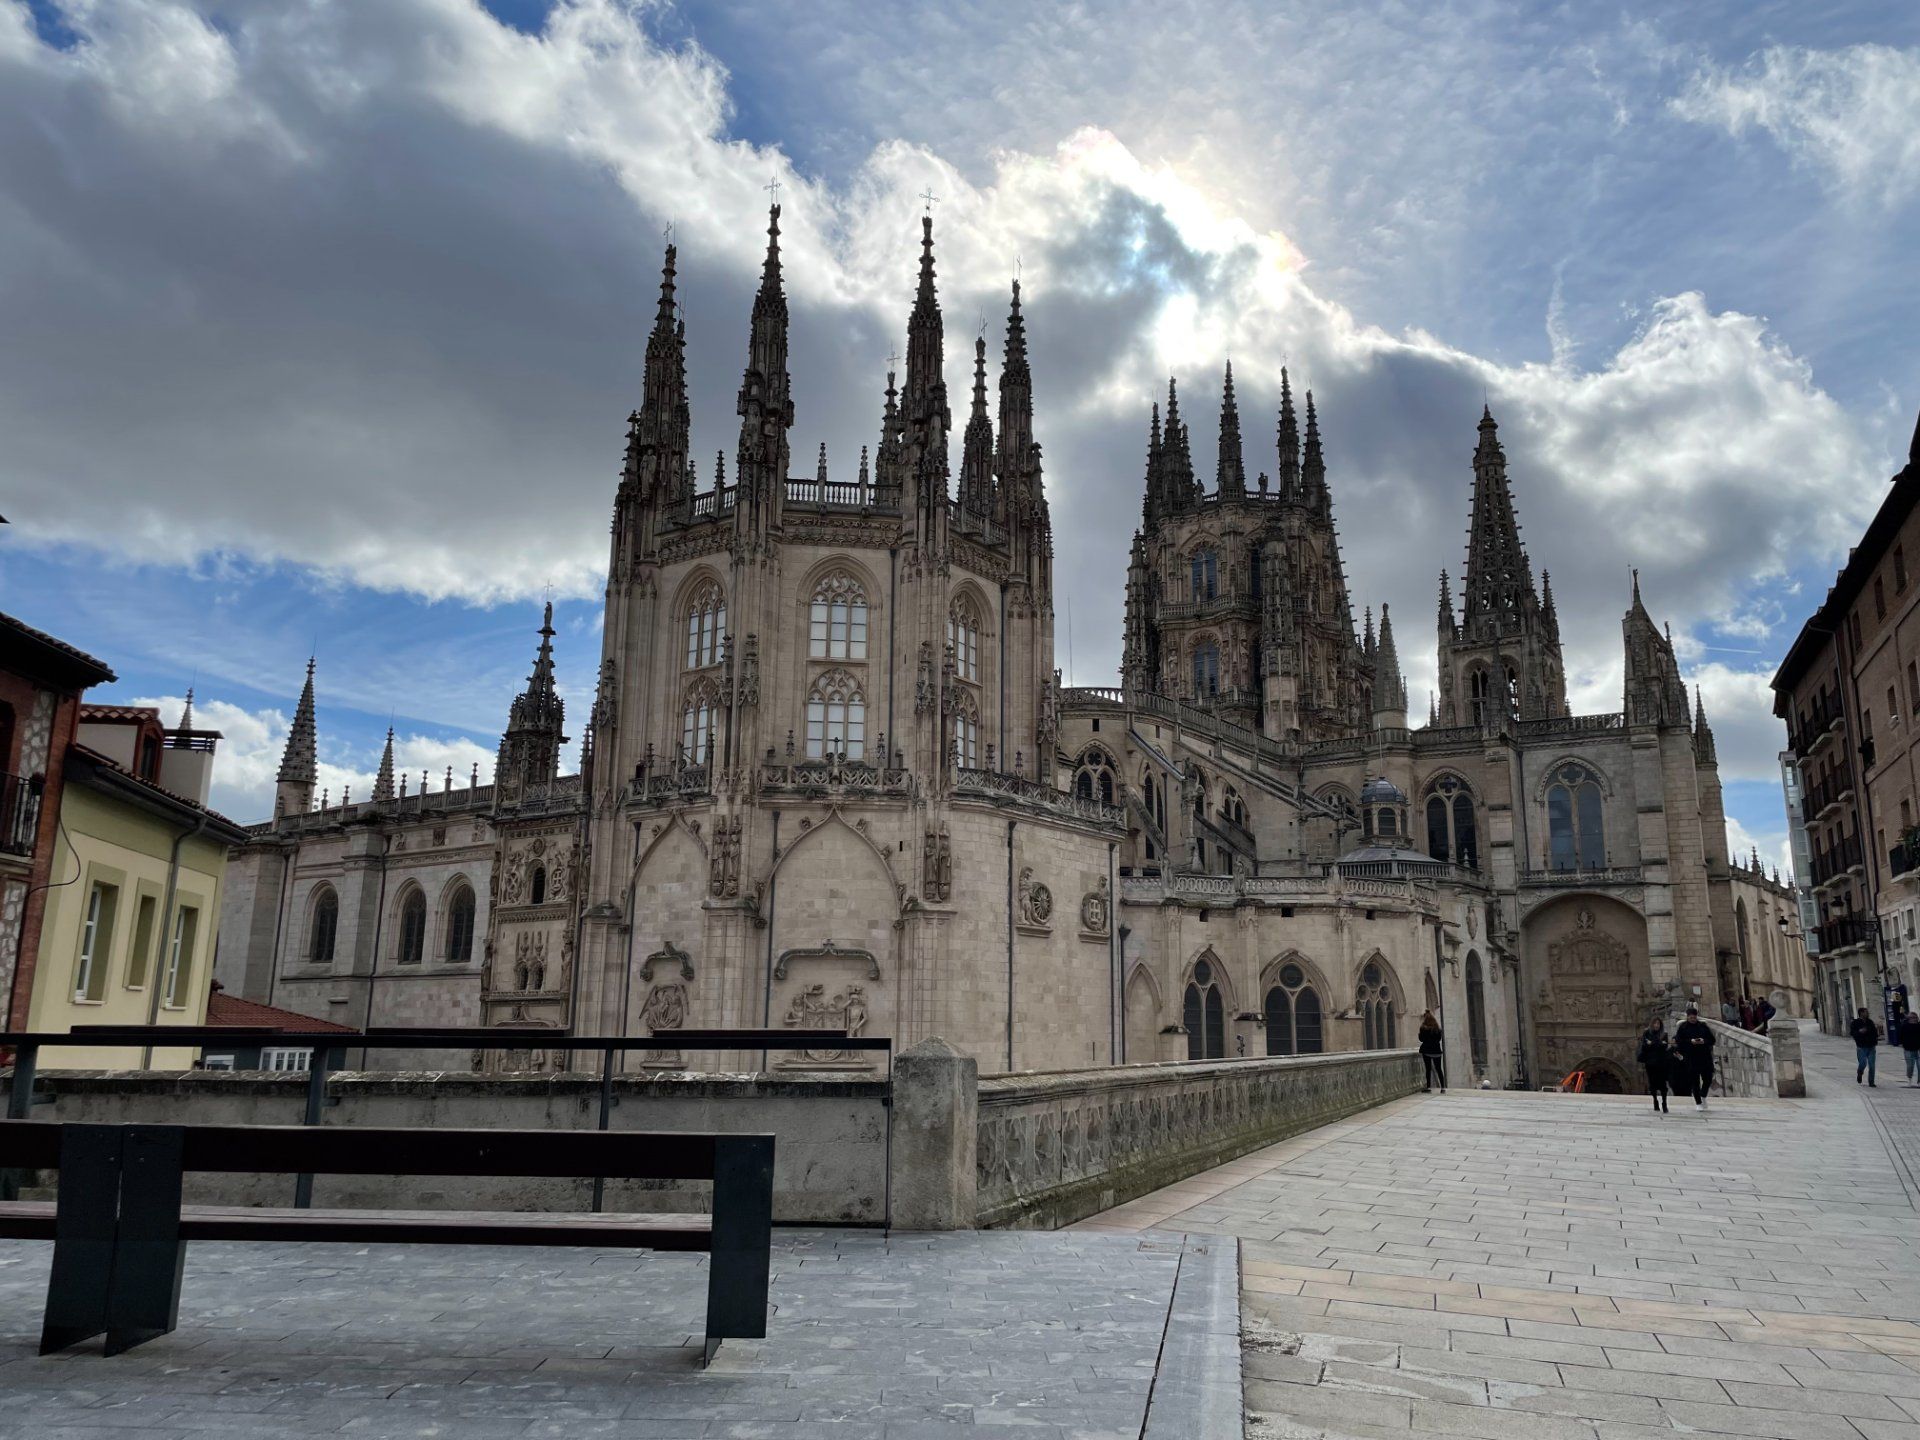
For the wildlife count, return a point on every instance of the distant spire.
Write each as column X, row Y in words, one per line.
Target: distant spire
column 1289, row 440
column 820, row 470
column 1499, row 582
column 1154, row 499
column 976, row 454
column 1366, row 635
column 1177, row 456
column 530, row 748
column 1446, row 604
column 1230, row 476
column 658, row 433
column 383, row 781
column 765, row 405
column 1389, row 685
column 186, row 713
column 1016, row 464
column 1313, row 466
column 1704, row 750
column 865, row 473
column 300, row 764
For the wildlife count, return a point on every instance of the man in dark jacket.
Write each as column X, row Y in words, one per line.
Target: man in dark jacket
column 1909, row 1037
column 1655, row 1057
column 1866, row 1046
column 1695, row 1041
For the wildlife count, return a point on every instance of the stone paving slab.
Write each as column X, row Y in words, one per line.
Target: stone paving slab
column 873, row 1337
column 1511, row 1266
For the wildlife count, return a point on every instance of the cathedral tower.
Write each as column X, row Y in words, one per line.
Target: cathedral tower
column 1501, row 661
column 299, row 765
column 530, row 749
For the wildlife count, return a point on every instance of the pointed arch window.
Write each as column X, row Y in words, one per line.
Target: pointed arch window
column 836, row 717
column 1480, row 692
column 963, row 638
column 1206, row 670
column 699, row 718
column 1233, row 808
column 1204, row 1015
column 1205, row 567
column 837, row 619
column 1293, row 1014
column 1374, row 1000
column 460, row 926
column 1093, row 776
column 324, row 928
column 413, row 928
column 1576, row 821
column 966, row 731
column 537, row 886
column 1451, row 834
column 706, row 626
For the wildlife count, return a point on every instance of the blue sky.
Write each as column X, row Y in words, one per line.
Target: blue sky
column 324, row 321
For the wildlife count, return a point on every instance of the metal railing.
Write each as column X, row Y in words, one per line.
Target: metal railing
column 329, row 1047
column 19, row 812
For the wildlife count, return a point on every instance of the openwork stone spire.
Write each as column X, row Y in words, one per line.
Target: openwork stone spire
column 1389, row 685
column 976, row 460
column 383, row 781
column 765, row 405
column 1289, row 441
column 1313, row 465
column 530, row 748
column 1499, row 583
column 1230, row 477
column 300, row 764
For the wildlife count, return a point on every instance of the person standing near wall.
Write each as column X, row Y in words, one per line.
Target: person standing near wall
column 1695, row 1041
column 1432, row 1051
column 1866, row 1043
column 1909, row 1038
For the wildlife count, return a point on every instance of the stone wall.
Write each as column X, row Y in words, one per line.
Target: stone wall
column 1743, row 1062
column 1055, row 1147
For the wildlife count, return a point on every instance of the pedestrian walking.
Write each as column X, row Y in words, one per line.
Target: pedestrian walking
column 1729, row 1012
column 1746, row 1014
column 1695, row 1041
column 1866, row 1043
column 1764, row 1010
column 1910, row 1044
column 1656, row 1058
column 1433, row 1051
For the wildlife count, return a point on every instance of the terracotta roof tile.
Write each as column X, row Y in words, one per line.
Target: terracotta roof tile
column 225, row 1009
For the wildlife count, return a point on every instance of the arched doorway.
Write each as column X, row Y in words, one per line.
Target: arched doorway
column 1603, row 1077
column 1586, row 959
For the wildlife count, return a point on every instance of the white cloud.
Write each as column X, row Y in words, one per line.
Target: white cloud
column 366, row 288
column 1852, row 114
column 1773, row 847
column 246, row 764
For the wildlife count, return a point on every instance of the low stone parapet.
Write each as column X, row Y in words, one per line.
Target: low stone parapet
column 1744, row 1062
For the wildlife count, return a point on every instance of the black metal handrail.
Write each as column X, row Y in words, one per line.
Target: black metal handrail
column 27, row 1045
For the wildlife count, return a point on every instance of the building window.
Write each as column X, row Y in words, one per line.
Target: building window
column 966, row 733
column 698, row 718
column 1450, row 824
column 1476, row 1013
column 1480, row 691
column 836, row 717
column 1206, row 670
column 1576, row 832
column 837, row 620
column 1899, row 569
column 1093, row 776
column 460, row 926
column 1879, row 598
column 96, row 942
column 323, row 928
column 1374, row 1001
column 706, row 626
column 1293, row 1014
column 186, row 929
column 146, row 920
column 1893, row 707
column 963, row 639
column 537, row 886
column 1205, row 1015
column 1206, row 575
column 286, row 1059
column 413, row 926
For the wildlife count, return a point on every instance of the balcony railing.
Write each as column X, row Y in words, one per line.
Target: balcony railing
column 1582, row 879
column 19, row 813
column 1846, row 931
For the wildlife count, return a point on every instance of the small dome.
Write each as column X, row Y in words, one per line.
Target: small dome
column 1382, row 791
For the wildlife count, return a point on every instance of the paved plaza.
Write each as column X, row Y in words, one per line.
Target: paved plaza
column 1543, row 1267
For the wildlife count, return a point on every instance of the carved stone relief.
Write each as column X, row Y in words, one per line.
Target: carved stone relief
column 1036, row 901
column 1096, row 909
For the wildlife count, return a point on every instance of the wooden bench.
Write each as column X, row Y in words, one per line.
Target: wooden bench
column 120, row 1231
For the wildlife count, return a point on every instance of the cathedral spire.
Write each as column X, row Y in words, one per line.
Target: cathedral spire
column 976, row 456
column 1016, row 455
column 1704, row 751
column 1389, row 685
column 925, row 420
column 1289, row 440
column 300, row 764
column 765, row 405
column 383, row 781
column 1499, row 582
column 1313, row 465
column 1230, row 476
column 1152, row 505
column 1177, row 455
column 658, row 432
column 530, row 748
column 1446, row 605
column 186, row 713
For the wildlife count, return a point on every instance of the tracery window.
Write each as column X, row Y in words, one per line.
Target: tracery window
column 1233, row 807
column 1093, row 776
column 1476, row 1012
column 1205, row 1015
column 836, row 716
column 1576, row 827
column 837, row 619
column 963, row 639
column 460, row 925
column 1374, row 1000
column 1206, row 670
column 1205, row 575
column 966, row 732
column 1293, row 1014
column 706, row 626
column 699, row 718
column 324, row 928
column 413, row 927
column 1451, row 833
column 1479, row 690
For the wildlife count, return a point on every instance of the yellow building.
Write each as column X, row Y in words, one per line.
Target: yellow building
column 134, row 906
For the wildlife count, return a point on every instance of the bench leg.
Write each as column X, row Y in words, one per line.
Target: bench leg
column 84, row 1225
column 742, row 1240
column 144, row 1300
